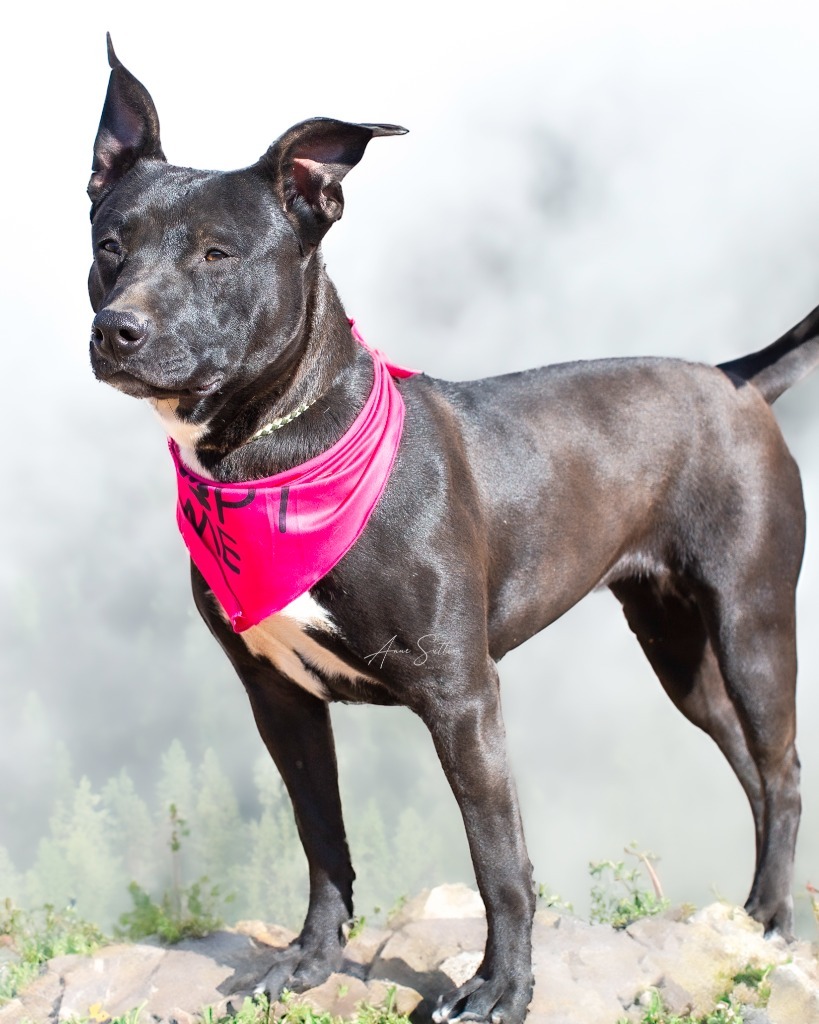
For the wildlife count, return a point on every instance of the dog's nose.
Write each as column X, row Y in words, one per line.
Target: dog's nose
column 118, row 332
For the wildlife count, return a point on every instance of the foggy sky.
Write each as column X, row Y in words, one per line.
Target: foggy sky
column 578, row 182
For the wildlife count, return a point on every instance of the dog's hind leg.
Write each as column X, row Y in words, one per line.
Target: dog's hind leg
column 728, row 661
column 673, row 635
column 752, row 626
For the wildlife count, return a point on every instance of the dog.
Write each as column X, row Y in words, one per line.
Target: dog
column 500, row 503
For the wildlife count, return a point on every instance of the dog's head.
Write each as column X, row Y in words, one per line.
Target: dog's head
column 200, row 278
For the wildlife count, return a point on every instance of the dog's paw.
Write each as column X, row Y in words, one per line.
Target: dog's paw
column 777, row 920
column 487, row 1000
column 297, row 969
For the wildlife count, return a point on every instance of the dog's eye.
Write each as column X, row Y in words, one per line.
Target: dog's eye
column 111, row 245
column 212, row 255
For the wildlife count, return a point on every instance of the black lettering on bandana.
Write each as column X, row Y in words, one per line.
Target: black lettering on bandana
column 229, row 553
column 189, row 513
column 208, row 499
column 223, row 503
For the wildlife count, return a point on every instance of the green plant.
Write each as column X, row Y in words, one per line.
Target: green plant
column 258, row 1010
column 179, row 828
column 186, row 914
column 386, row 1014
column 298, row 1013
column 255, row 1010
column 618, row 899
column 182, row 913
column 726, row 1011
column 397, row 907
column 551, row 899
column 754, row 979
column 729, row 1007
column 38, row 936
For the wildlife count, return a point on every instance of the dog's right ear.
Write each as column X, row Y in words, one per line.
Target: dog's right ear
column 128, row 131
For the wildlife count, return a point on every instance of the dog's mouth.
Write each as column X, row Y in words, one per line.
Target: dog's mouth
column 136, row 387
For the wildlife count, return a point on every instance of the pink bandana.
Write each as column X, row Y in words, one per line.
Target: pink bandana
column 261, row 544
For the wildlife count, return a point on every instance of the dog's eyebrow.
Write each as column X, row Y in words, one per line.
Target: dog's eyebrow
column 115, row 219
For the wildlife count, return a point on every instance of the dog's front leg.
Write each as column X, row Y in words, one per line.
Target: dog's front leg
column 469, row 738
column 296, row 730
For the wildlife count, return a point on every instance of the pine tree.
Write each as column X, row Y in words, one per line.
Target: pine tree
column 11, row 883
column 176, row 784
column 373, row 860
column 219, row 837
column 76, row 863
column 175, row 789
column 416, row 857
column 272, row 881
column 133, row 835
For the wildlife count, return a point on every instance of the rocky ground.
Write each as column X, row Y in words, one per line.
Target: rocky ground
column 585, row 974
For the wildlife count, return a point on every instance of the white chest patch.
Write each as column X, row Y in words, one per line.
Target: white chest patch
column 185, row 434
column 281, row 639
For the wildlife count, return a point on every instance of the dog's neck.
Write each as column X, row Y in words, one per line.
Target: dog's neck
column 327, row 375
column 184, row 434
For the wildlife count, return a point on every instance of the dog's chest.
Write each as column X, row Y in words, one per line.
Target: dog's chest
column 299, row 640
column 294, row 641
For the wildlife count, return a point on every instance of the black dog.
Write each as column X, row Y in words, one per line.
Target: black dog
column 509, row 500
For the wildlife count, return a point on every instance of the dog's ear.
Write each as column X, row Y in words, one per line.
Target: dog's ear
column 307, row 165
column 128, row 131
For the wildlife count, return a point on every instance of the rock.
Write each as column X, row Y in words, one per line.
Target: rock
column 703, row 954
column 547, row 916
column 414, row 954
column 115, row 979
column 340, row 996
column 461, row 967
column 442, row 902
column 183, row 1017
column 584, row 973
column 245, row 960
column 267, row 934
column 168, row 983
column 794, row 996
column 558, row 999
column 13, row 1012
column 725, row 918
column 402, row 999
column 363, row 949
column 676, row 998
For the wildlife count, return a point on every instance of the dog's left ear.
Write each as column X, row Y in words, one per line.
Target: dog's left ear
column 307, row 165
column 128, row 131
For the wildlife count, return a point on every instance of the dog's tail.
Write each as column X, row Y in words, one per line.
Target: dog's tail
column 778, row 367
